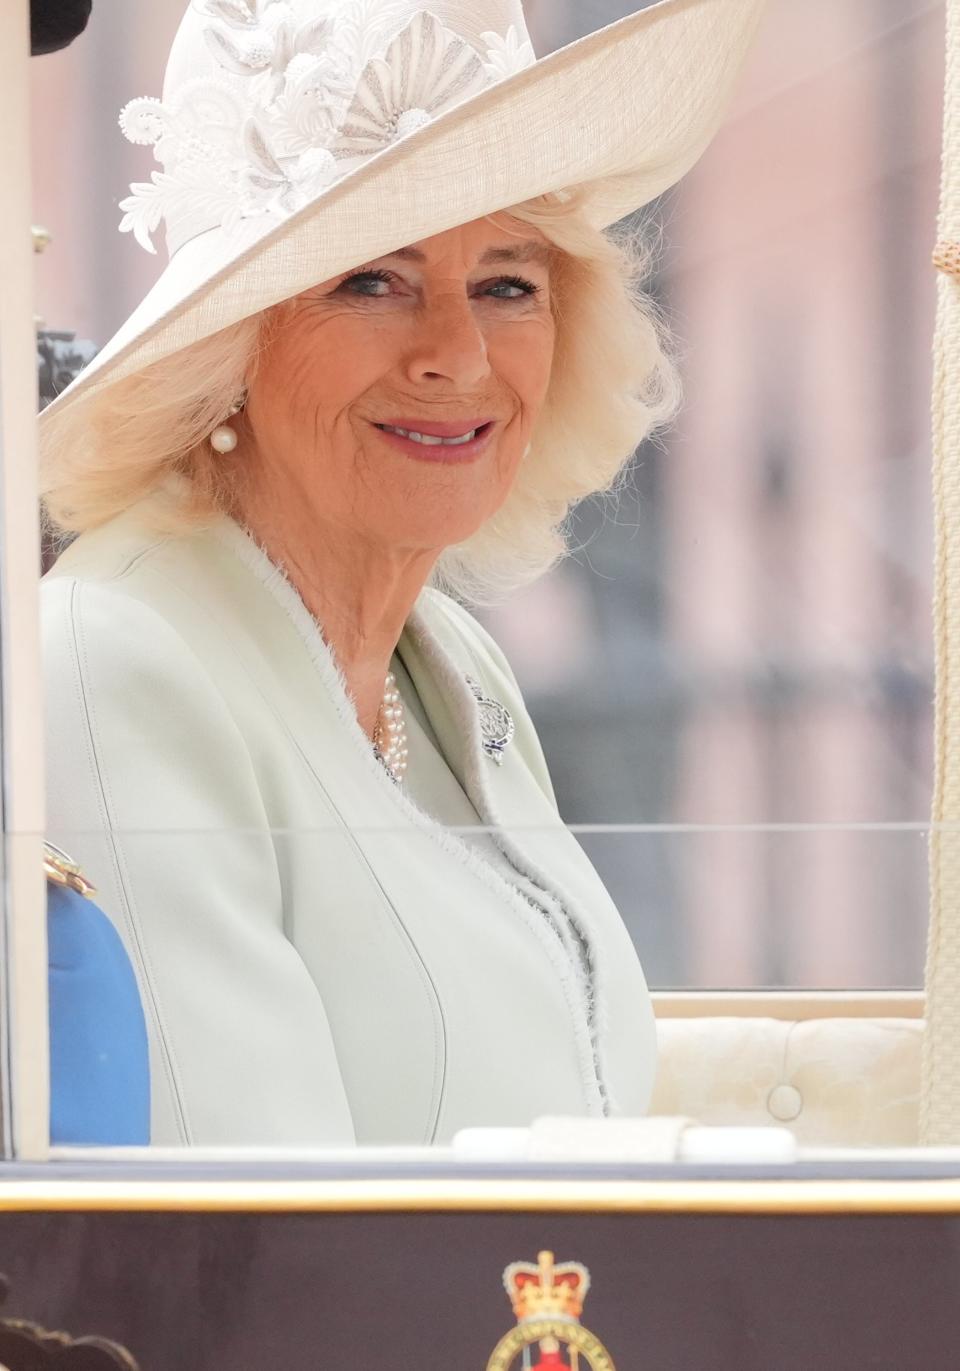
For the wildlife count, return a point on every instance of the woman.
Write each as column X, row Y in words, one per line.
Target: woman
column 392, row 348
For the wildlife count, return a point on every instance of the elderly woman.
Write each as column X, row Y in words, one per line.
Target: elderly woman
column 393, row 347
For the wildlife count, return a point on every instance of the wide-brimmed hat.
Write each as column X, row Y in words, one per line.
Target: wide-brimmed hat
column 301, row 138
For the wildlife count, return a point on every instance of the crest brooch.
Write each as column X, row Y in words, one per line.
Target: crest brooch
column 496, row 723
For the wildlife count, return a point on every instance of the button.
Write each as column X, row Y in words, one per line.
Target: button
column 785, row 1102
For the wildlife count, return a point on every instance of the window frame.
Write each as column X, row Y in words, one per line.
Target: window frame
column 24, row 1060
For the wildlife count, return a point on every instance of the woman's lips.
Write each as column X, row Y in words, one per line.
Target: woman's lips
column 438, row 446
column 436, row 428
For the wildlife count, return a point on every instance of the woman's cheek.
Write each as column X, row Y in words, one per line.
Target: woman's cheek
column 530, row 358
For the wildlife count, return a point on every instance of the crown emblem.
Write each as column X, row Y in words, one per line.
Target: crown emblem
column 546, row 1291
column 547, row 1300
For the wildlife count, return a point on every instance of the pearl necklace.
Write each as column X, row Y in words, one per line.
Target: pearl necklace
column 390, row 731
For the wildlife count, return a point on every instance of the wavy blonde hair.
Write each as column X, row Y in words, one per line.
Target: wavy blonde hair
column 614, row 383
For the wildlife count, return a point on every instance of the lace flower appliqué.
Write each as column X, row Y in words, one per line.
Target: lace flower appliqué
column 295, row 106
column 426, row 69
column 508, row 55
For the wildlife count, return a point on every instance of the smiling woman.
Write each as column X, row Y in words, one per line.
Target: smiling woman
column 386, row 420
column 611, row 382
column 299, row 773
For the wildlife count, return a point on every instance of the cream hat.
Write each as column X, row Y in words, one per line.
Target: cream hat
column 300, row 138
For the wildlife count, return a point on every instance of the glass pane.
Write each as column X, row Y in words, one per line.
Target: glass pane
column 744, row 637
column 732, row 674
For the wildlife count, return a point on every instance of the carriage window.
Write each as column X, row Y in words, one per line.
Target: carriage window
column 732, row 674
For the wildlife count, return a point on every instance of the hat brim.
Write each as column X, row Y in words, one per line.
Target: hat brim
column 622, row 114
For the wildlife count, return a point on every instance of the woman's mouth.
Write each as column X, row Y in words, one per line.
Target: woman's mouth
column 434, row 442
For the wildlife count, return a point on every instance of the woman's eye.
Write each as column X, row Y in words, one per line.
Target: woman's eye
column 512, row 288
column 377, row 282
column 373, row 283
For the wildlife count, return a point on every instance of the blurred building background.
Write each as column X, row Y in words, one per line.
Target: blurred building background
column 732, row 676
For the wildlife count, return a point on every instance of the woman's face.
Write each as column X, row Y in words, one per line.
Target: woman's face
column 450, row 339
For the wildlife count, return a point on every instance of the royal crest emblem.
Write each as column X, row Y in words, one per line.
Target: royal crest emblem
column 547, row 1300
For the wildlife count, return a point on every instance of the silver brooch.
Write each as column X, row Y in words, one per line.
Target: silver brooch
column 496, row 723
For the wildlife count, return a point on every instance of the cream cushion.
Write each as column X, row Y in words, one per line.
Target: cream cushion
column 835, row 1082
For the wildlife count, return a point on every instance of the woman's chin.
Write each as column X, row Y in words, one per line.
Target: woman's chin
column 430, row 514
column 434, row 537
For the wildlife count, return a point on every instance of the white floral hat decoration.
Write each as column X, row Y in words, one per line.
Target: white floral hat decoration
column 299, row 138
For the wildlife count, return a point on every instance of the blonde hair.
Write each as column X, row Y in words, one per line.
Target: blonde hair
column 614, row 382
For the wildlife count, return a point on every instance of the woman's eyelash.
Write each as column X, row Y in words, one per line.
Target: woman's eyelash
column 529, row 287
column 381, row 274
column 373, row 274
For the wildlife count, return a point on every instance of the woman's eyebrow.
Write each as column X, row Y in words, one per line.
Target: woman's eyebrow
column 531, row 250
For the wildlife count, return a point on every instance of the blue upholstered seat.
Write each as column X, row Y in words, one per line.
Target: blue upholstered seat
column 99, row 1069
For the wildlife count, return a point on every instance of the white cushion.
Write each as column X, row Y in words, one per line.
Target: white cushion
column 852, row 1082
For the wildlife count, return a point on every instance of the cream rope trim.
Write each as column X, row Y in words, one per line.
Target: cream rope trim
column 940, row 1093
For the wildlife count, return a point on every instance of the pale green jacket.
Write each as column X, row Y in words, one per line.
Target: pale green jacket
column 320, row 961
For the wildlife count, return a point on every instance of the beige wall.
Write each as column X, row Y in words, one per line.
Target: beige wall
column 91, row 277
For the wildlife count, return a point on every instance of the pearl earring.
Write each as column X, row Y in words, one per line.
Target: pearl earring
column 223, row 439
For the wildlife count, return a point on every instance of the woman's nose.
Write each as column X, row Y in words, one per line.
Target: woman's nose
column 449, row 344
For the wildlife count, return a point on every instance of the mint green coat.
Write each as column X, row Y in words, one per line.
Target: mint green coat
column 320, row 961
